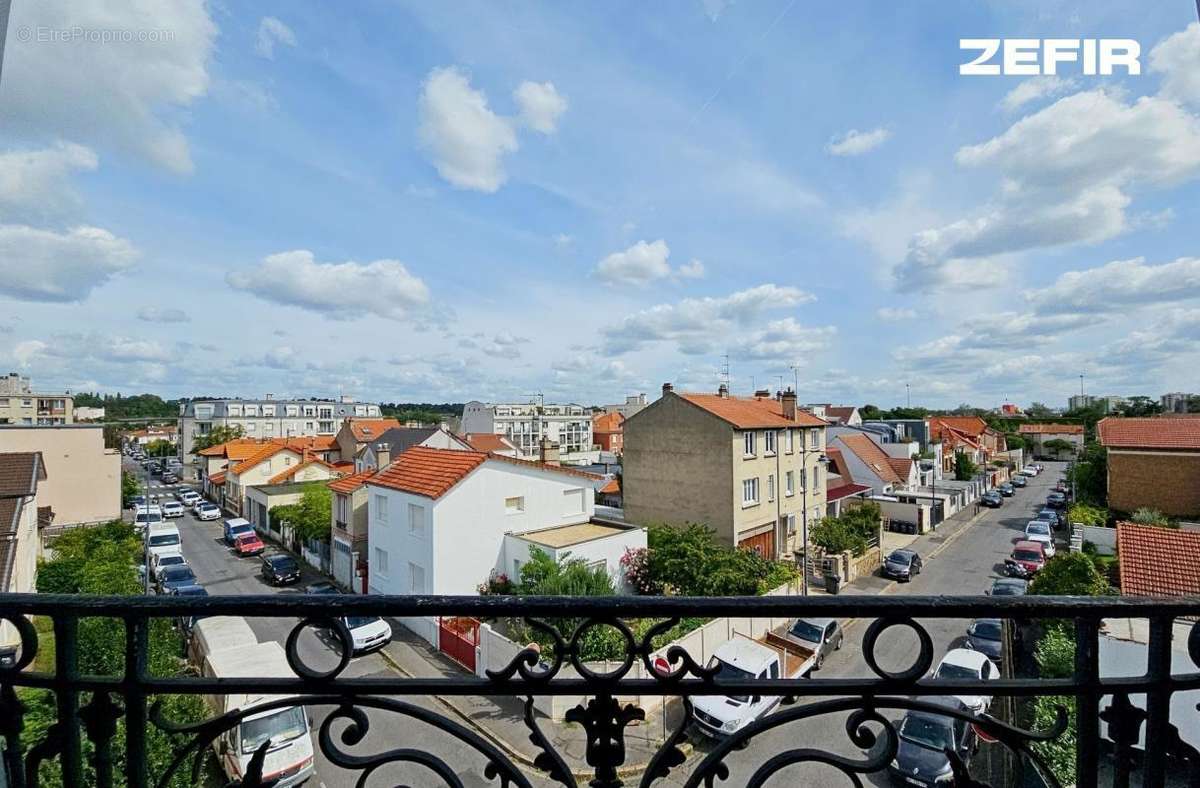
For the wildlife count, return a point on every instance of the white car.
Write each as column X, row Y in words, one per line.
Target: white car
column 172, row 509
column 160, row 561
column 963, row 663
column 145, row 516
column 1041, row 531
column 1029, row 470
column 208, row 511
column 188, row 497
column 368, row 632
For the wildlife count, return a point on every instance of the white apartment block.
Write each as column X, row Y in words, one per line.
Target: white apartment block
column 20, row 405
column 267, row 418
column 525, row 424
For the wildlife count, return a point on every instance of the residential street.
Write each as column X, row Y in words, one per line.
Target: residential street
column 964, row 562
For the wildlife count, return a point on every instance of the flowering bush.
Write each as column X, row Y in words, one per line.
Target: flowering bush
column 497, row 583
column 636, row 565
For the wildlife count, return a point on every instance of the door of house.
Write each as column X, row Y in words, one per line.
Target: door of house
column 457, row 639
column 763, row 544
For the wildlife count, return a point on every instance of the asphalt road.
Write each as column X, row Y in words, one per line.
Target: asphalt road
column 964, row 564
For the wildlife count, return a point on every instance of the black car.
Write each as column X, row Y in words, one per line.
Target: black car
column 924, row 739
column 1006, row 490
column 1056, row 500
column 192, row 590
column 172, row 577
column 991, row 498
column 986, row 635
column 1059, row 518
column 321, row 588
column 280, row 570
column 1008, row 586
column 1019, row 481
column 902, row 565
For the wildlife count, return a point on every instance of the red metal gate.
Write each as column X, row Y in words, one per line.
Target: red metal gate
column 457, row 638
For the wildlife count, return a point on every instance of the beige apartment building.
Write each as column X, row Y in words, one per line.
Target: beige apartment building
column 21, row 474
column 21, row 406
column 83, row 479
column 751, row 468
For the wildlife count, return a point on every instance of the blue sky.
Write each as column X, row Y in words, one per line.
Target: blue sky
column 446, row 201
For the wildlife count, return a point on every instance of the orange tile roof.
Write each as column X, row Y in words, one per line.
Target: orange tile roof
column 217, row 478
column 607, row 422
column 613, row 487
column 844, row 491
column 1158, row 561
column 267, row 451
column 748, row 413
column 1149, row 433
column 1051, row 429
column 487, row 442
column 289, row 472
column 365, row 430
column 872, row 456
column 429, row 472
column 348, row 484
column 971, row 425
column 838, row 464
column 902, row 466
column 237, row 444
column 840, row 413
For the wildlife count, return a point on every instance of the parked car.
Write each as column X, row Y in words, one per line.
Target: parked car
column 924, row 739
column 1056, row 500
column 208, row 511
column 1042, row 532
column 902, row 565
column 1055, row 516
column 173, row 577
column 367, row 633
column 234, row 527
column 1027, row 559
column 322, row 587
column 770, row 656
column 822, row 635
column 172, row 509
column 1006, row 490
column 169, row 477
column 991, row 498
column 964, row 663
column 193, row 590
column 135, row 501
column 160, row 561
column 248, row 544
column 145, row 516
column 986, row 635
column 188, row 497
column 1019, row 481
column 280, row 569
column 1008, row 586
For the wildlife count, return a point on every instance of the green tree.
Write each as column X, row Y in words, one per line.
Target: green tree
column 1140, row 406
column 1087, row 515
column 1089, row 473
column 130, row 486
column 1038, row 410
column 216, row 436
column 310, row 517
column 965, row 468
column 160, row 448
column 870, row 412
column 689, row 560
column 1015, row 440
column 1070, row 574
column 849, row 531
column 1057, row 447
column 541, row 575
column 1055, row 656
column 1148, row 516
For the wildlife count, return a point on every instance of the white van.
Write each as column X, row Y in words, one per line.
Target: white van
column 145, row 516
column 163, row 538
column 289, row 758
column 218, row 633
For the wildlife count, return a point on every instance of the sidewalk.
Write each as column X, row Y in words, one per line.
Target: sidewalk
column 501, row 719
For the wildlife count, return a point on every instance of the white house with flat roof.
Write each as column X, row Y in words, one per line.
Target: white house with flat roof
column 442, row 521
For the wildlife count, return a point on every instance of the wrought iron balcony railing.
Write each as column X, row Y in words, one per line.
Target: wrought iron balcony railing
column 89, row 707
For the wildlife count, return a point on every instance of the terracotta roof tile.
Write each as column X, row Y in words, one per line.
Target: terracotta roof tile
column 1051, row 429
column 902, row 466
column 19, row 473
column 289, row 472
column 487, row 442
column 217, row 479
column 872, row 456
column 838, row 464
column 844, row 491
column 428, row 472
column 266, row 451
column 840, row 413
column 971, row 425
column 348, row 484
column 1149, row 433
column 607, row 422
column 748, row 413
column 611, row 487
column 1158, row 561
column 365, row 430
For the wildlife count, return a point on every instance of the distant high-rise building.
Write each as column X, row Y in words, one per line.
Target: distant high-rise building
column 1079, row 401
column 1176, row 402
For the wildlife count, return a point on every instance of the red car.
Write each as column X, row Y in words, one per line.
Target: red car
column 1027, row 560
column 248, row 544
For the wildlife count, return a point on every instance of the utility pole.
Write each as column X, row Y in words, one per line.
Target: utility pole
column 907, row 390
column 796, row 367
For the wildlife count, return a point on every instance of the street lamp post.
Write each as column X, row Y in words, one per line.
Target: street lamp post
column 804, row 481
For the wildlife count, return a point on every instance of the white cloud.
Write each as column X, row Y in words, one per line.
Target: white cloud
column 856, row 143
column 271, row 31
column 1118, row 285
column 1035, row 89
column 1066, row 176
column 541, row 105
column 92, row 346
column 340, row 291
column 25, row 352
column 501, row 345
column 467, row 140
column 894, row 314
column 784, row 340
column 562, row 240
column 644, row 263
column 1178, row 58
column 46, row 265
column 714, row 8
column 156, row 314
column 127, row 95
column 698, row 325
column 34, row 183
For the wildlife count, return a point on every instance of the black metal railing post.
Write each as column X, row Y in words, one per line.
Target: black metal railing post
column 66, row 679
column 1158, row 699
column 1087, row 701
column 136, row 719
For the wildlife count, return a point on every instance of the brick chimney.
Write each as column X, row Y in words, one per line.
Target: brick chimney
column 667, row 389
column 548, row 452
column 383, row 455
column 723, row 391
column 788, row 400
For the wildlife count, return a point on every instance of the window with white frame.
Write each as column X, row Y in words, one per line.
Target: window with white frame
column 573, row 501
column 814, row 439
column 381, row 509
column 770, row 486
column 789, row 483
column 250, row 426
column 749, row 491
column 293, row 410
column 416, row 578
column 815, row 478
column 380, row 567
column 514, row 504
column 748, row 440
column 416, row 520
column 803, row 478
column 791, row 524
column 787, row 440
column 769, row 442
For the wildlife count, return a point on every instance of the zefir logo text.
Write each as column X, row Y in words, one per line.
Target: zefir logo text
column 1030, row 57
